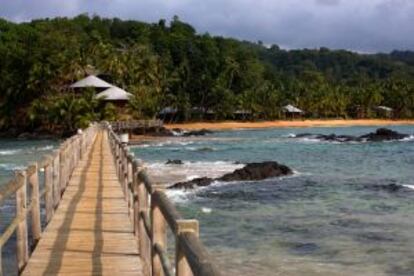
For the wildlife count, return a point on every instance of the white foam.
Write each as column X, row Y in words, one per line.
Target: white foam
column 45, row 148
column 206, row 210
column 11, row 167
column 408, row 139
column 10, row 152
column 409, row 186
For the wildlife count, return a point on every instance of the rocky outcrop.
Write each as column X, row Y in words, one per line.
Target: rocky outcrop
column 384, row 134
column 165, row 132
column 200, row 132
column 381, row 134
column 174, row 162
column 252, row 171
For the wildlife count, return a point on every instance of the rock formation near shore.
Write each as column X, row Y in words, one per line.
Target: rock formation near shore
column 252, row 171
column 174, row 162
column 165, row 132
column 381, row 134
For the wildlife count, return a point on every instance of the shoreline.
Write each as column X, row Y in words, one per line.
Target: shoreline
column 228, row 125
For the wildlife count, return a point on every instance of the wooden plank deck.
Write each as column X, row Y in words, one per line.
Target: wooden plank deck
column 91, row 232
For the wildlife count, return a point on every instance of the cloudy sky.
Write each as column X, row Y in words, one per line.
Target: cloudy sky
column 359, row 25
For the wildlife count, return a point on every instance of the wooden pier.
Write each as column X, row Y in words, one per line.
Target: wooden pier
column 104, row 215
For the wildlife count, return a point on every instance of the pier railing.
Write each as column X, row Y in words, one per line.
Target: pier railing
column 28, row 191
column 152, row 212
column 129, row 125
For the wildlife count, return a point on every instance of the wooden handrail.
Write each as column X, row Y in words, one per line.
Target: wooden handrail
column 129, row 125
column 152, row 211
column 58, row 168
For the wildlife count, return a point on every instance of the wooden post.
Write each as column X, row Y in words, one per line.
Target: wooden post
column 182, row 267
column 21, row 230
column 56, row 179
column 135, row 183
column 143, row 238
column 130, row 184
column 48, row 169
column 159, row 236
column 35, row 201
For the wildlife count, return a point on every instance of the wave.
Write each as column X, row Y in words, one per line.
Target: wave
column 11, row 167
column 10, row 152
column 409, row 186
column 407, row 139
column 26, row 150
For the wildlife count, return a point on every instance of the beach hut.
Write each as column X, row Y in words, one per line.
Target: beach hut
column 114, row 94
column 384, row 111
column 91, row 81
column 167, row 114
column 242, row 114
column 292, row 111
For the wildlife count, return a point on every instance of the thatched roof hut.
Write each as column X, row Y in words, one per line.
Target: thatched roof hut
column 114, row 94
column 91, row 81
column 292, row 109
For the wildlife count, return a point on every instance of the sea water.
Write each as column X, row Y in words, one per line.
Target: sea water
column 17, row 155
column 334, row 216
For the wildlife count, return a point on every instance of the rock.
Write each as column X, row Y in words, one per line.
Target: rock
column 252, row 171
column 197, row 182
column 257, row 171
column 200, row 132
column 381, row 134
column 174, row 162
column 388, row 187
column 384, row 134
column 153, row 131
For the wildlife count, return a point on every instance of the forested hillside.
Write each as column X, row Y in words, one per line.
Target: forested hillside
column 170, row 64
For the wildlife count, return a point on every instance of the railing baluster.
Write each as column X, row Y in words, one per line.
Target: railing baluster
column 35, row 202
column 159, row 236
column 48, row 171
column 21, row 230
column 181, row 265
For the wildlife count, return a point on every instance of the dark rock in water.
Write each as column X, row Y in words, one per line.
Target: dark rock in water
column 197, row 182
column 205, row 149
column 384, row 134
column 174, row 162
column 257, row 171
column 388, row 188
column 381, row 134
column 200, row 132
column 302, row 135
column 252, row 171
column 153, row 131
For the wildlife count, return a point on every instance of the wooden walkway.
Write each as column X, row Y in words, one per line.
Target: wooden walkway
column 91, row 232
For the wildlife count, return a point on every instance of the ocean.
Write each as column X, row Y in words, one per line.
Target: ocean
column 347, row 210
column 17, row 155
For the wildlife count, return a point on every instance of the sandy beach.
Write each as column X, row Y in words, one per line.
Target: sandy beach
column 293, row 123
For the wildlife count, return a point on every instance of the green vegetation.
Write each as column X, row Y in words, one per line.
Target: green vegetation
column 171, row 65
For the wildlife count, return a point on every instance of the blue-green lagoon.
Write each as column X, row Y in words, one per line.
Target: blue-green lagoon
column 347, row 210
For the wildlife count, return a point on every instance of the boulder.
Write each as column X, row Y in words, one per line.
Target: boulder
column 197, row 182
column 174, row 162
column 200, row 132
column 381, row 134
column 384, row 134
column 252, row 171
column 257, row 171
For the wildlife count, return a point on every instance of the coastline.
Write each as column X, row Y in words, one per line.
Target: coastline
column 286, row 124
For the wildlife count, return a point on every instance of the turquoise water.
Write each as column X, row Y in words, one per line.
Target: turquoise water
column 16, row 155
column 330, row 218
